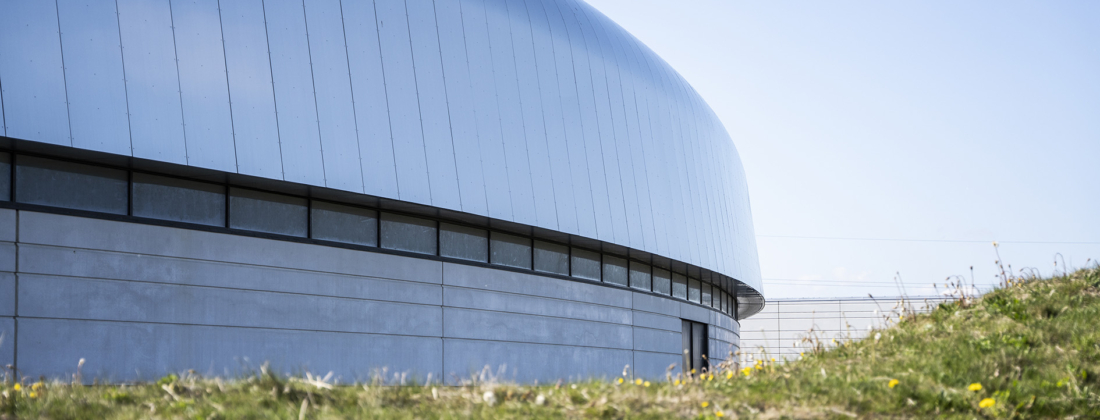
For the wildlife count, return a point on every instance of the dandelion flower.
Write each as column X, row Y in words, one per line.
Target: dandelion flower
column 646, row 384
column 17, row 387
column 893, row 383
column 620, row 380
column 37, row 386
column 705, row 404
column 729, row 375
column 676, row 382
column 719, row 413
column 710, row 377
column 33, row 394
column 693, row 371
column 637, row 382
column 975, row 387
column 986, row 403
column 746, row 371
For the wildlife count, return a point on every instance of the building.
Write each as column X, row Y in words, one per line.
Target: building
column 429, row 187
column 786, row 328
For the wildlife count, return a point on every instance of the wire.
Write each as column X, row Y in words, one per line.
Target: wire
column 838, row 238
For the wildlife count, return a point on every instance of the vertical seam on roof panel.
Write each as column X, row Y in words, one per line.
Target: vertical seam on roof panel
column 611, row 116
column 522, row 117
column 496, row 97
column 386, row 89
column 179, row 86
column 419, row 109
column 645, row 160
column 125, row 83
column 561, row 107
column 351, row 90
column 274, row 99
column 229, row 92
column 477, row 130
column 447, row 98
column 573, row 65
column 316, row 108
column 542, row 113
column 64, row 76
column 599, row 136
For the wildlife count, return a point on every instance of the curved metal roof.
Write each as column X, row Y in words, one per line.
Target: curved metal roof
column 539, row 112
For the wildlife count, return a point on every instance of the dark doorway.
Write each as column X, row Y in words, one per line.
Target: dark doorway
column 695, row 350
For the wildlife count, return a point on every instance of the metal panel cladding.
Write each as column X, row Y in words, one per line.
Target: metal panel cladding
column 539, row 112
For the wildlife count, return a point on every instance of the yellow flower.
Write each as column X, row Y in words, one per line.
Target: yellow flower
column 37, row 386
column 893, row 383
column 637, row 382
column 33, row 394
column 746, row 371
column 759, row 367
column 646, row 384
column 17, row 387
column 773, row 360
column 705, row 404
column 986, row 403
column 710, row 377
column 676, row 382
column 620, row 380
column 719, row 413
column 693, row 371
column 729, row 375
column 975, row 387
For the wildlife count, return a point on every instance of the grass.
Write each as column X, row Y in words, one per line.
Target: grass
column 1029, row 349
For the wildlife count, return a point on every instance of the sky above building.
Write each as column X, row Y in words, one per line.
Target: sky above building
column 887, row 138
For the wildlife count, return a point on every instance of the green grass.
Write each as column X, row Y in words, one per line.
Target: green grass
column 1033, row 345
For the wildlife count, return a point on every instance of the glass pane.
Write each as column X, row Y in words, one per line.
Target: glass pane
column 551, row 258
column 463, row 242
column 693, row 290
column 585, row 264
column 353, row 225
column 679, row 286
column 639, row 276
column 706, row 295
column 405, row 233
column 662, row 282
column 614, row 270
column 180, row 200
column 267, row 212
column 510, row 250
column 5, row 176
column 70, row 185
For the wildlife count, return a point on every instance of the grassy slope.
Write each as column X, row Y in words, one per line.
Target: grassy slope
column 1034, row 347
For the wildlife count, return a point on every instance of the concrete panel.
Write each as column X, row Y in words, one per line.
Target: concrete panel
column 530, row 284
column 149, row 351
column 77, row 232
column 7, row 294
column 40, row 259
column 655, row 366
column 531, row 362
column 520, row 304
column 661, row 305
column 7, row 341
column 67, row 297
column 723, row 334
column 694, row 313
column 7, row 225
column 486, row 325
column 723, row 320
column 660, row 322
column 7, row 256
column 660, row 341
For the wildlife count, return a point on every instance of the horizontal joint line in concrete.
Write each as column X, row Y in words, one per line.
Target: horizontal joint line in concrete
column 227, row 326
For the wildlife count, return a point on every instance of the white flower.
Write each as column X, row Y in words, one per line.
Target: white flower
column 878, row 336
column 490, row 398
column 540, row 400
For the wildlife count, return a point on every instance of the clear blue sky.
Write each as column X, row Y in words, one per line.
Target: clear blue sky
column 931, row 120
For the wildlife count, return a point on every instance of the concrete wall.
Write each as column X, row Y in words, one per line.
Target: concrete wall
column 138, row 301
